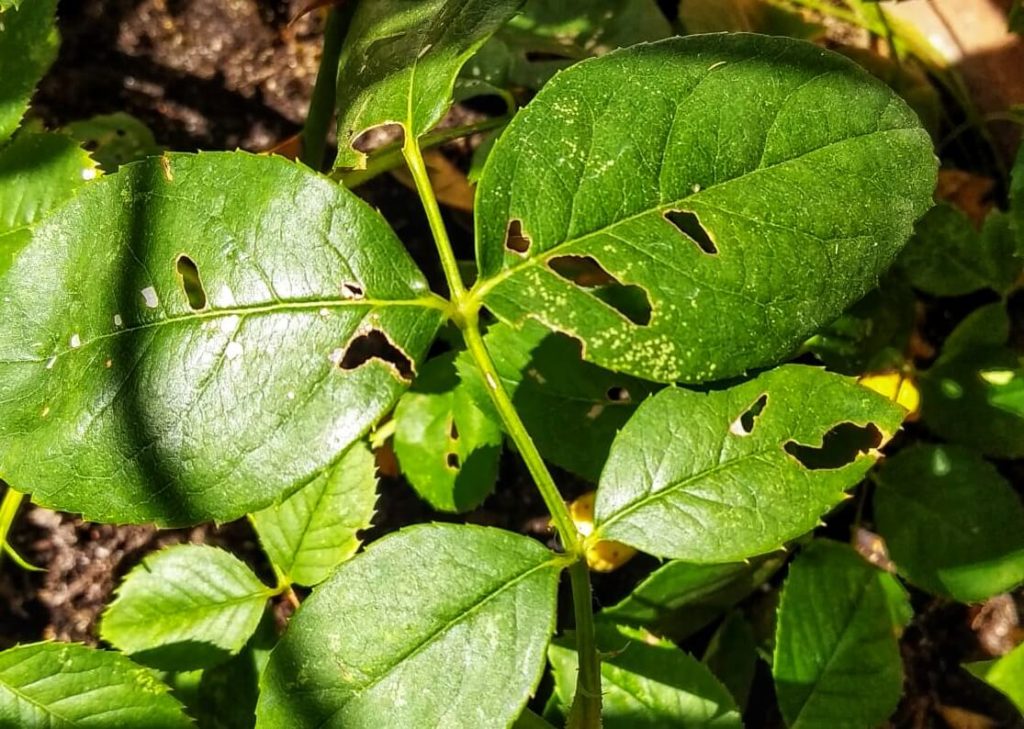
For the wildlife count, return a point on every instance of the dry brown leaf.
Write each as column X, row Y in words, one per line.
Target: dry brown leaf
column 290, row 148
column 958, row 718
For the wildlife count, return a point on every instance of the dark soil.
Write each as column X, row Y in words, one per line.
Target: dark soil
column 225, row 74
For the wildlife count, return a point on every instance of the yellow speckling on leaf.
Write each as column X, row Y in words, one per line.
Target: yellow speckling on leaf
column 603, row 556
column 896, row 386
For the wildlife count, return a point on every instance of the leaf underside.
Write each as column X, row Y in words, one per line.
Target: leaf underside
column 197, row 336
column 732, row 193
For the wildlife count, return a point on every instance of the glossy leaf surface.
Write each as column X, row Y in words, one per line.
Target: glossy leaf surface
column 400, row 60
column 683, row 207
column 571, row 408
column 437, row 625
column 732, row 473
column 837, row 661
column 38, row 172
column 315, row 529
column 67, row 685
column 185, row 607
column 647, row 685
column 243, row 321
column 448, row 447
column 953, row 525
column 28, row 45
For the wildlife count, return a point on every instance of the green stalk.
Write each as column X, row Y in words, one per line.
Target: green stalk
column 390, row 156
column 321, row 106
column 8, row 510
column 466, row 307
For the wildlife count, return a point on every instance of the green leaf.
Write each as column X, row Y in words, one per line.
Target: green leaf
column 948, row 257
column 953, row 525
column 647, row 685
column 448, row 448
column 435, row 625
column 571, row 408
column 48, row 685
column 752, row 16
column 28, row 45
column 317, row 528
column 185, row 607
column 837, row 660
column 732, row 656
column 114, row 139
column 400, row 61
column 960, row 400
column 1017, row 191
column 728, row 474
column 755, row 146
column 680, row 598
column 871, row 335
column 986, row 327
column 198, row 336
column 561, row 33
column 39, row 172
column 1005, row 674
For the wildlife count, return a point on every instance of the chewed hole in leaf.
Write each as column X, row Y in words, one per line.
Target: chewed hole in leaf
column 351, row 290
column 744, row 424
column 453, row 431
column 618, row 394
column 374, row 344
column 839, row 447
column 689, row 225
column 452, row 460
column 515, row 239
column 584, row 271
column 191, row 283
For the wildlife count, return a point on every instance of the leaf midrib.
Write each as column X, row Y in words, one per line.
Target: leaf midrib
column 425, row 302
column 485, row 285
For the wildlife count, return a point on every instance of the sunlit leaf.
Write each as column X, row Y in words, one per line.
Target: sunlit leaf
column 48, row 685
column 196, row 337
column 683, row 208
column 317, row 528
column 28, row 45
column 438, row 625
column 728, row 474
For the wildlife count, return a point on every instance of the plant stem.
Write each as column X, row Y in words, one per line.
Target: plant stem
column 390, row 156
column 321, row 106
column 466, row 307
column 414, row 158
column 8, row 510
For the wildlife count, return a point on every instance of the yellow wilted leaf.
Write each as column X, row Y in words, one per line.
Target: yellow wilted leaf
column 896, row 386
column 603, row 556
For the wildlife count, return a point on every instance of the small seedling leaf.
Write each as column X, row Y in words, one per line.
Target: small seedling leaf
column 317, row 528
column 46, row 685
column 837, row 660
column 462, row 613
column 729, row 474
column 185, row 607
column 448, row 447
column 952, row 524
